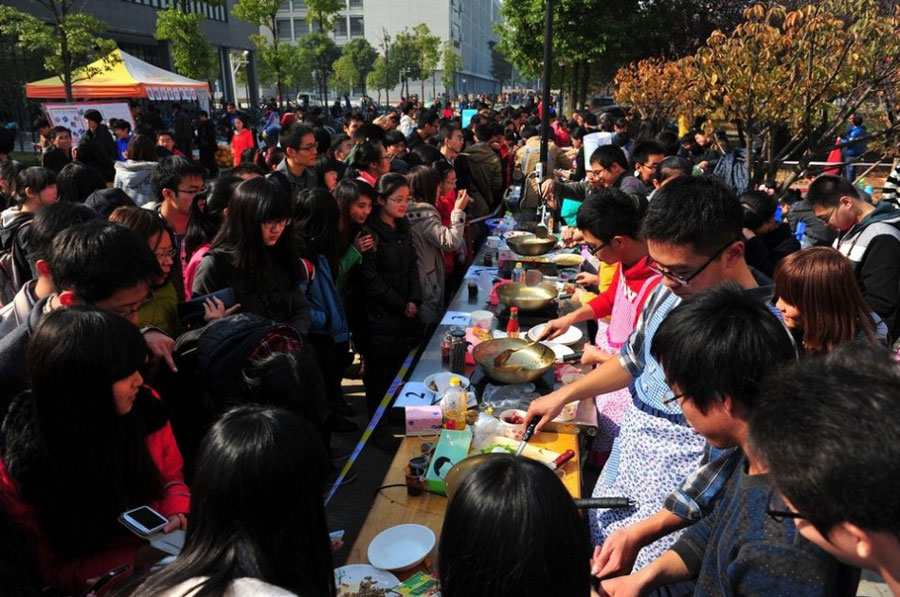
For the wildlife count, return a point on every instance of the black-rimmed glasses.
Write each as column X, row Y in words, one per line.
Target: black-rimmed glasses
column 684, row 280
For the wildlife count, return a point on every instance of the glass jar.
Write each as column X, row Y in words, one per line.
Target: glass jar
column 458, row 348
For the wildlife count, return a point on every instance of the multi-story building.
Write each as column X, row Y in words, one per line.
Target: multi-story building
column 132, row 23
column 468, row 24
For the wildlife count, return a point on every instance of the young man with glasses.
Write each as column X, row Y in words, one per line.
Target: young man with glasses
column 715, row 349
column 610, row 223
column 175, row 182
column 693, row 234
column 607, row 168
column 646, row 156
column 869, row 236
column 835, row 473
column 297, row 171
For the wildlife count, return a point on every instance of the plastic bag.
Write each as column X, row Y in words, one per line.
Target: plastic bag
column 505, row 397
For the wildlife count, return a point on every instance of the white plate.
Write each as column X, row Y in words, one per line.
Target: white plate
column 438, row 382
column 572, row 335
column 560, row 350
column 401, row 547
column 347, row 578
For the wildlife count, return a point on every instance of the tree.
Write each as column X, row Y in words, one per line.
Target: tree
column 275, row 60
column 803, row 72
column 451, row 63
column 69, row 42
column 429, row 48
column 344, row 76
column 361, row 53
column 319, row 51
column 320, row 14
column 656, row 88
column 193, row 57
column 383, row 76
column 404, row 53
column 501, row 69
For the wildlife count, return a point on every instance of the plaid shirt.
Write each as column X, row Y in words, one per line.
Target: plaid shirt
column 699, row 490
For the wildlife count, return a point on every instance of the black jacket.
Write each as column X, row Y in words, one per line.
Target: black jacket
column 764, row 251
column 106, row 150
column 282, row 303
column 389, row 280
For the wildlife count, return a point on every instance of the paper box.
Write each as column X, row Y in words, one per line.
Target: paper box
column 451, row 448
column 423, row 420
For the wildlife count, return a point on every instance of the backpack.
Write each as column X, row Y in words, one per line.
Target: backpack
column 12, row 277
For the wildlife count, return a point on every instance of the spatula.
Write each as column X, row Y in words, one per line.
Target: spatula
column 501, row 359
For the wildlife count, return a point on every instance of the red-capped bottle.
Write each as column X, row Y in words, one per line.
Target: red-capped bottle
column 512, row 328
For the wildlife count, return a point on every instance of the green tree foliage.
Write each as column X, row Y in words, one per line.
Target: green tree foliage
column 383, row 77
column 69, row 41
column 274, row 57
column 193, row 57
column 451, row 63
column 363, row 56
column 344, row 76
column 320, row 13
column 404, row 54
column 320, row 52
column 429, row 47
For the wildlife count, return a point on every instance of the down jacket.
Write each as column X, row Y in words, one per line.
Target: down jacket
column 430, row 239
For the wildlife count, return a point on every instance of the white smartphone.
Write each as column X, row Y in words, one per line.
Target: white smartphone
column 143, row 521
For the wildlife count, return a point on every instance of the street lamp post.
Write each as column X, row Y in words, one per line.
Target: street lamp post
column 545, row 92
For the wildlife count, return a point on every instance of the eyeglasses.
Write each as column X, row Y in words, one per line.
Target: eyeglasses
column 671, row 397
column 651, row 166
column 779, row 511
column 595, row 173
column 275, row 224
column 684, row 280
column 399, row 201
column 827, row 217
column 192, row 192
column 306, row 147
column 166, row 254
column 596, row 250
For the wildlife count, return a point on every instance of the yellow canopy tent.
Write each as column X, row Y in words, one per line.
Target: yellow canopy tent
column 130, row 77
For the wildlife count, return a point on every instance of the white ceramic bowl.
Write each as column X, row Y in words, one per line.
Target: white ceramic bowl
column 572, row 335
column 401, row 547
column 513, row 431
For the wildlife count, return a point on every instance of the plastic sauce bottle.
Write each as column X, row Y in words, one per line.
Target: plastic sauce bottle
column 518, row 274
column 455, row 403
column 512, row 327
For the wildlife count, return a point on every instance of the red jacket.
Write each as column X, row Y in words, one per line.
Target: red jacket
column 635, row 276
column 444, row 205
column 73, row 574
column 239, row 142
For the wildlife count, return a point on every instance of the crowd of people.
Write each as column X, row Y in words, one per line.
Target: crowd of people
column 174, row 333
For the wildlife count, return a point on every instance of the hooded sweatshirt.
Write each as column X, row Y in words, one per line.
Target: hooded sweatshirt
column 873, row 246
column 134, row 178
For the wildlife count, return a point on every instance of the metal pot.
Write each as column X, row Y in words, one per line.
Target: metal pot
column 523, row 366
column 531, row 245
column 527, row 298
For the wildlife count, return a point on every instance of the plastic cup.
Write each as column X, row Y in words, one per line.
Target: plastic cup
column 483, row 320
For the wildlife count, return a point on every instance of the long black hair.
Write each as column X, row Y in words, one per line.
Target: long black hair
column 72, row 456
column 316, row 217
column 207, row 213
column 518, row 511
column 257, row 508
column 254, row 202
column 346, row 193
